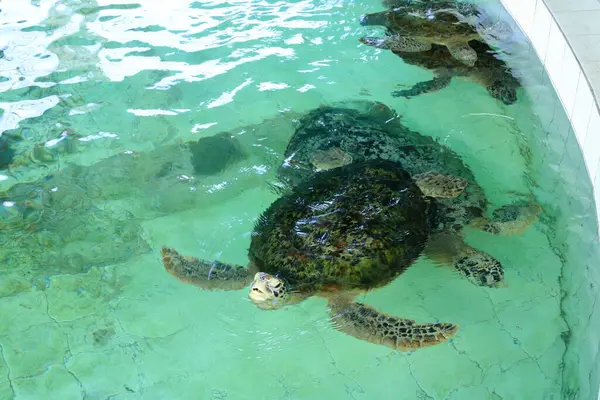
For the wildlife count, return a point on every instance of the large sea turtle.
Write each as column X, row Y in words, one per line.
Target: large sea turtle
column 345, row 230
column 414, row 26
column 489, row 70
column 364, row 199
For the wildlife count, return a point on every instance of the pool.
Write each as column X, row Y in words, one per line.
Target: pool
column 100, row 102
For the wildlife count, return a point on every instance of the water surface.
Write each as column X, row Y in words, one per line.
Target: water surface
column 101, row 99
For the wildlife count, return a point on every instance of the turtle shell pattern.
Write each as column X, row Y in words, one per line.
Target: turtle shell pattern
column 356, row 226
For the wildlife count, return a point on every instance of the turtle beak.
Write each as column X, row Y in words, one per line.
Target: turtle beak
column 257, row 295
column 259, row 290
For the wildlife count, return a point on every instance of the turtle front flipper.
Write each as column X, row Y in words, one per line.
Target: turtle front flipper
column 208, row 275
column 397, row 43
column 509, row 220
column 434, row 184
column 366, row 323
column 478, row 267
column 462, row 52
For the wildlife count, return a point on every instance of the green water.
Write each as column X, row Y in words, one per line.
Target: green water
column 104, row 96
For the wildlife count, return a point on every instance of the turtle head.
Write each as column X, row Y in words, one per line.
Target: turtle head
column 268, row 292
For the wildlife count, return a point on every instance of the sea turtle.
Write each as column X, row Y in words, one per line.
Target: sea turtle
column 489, row 70
column 414, row 26
column 344, row 231
column 354, row 223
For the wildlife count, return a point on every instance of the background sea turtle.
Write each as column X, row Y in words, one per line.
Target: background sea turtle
column 414, row 26
column 343, row 231
column 213, row 154
column 370, row 130
column 353, row 223
column 489, row 71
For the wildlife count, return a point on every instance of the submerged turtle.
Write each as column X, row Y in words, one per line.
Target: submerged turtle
column 213, row 154
column 356, row 220
column 489, row 71
column 414, row 26
column 370, row 130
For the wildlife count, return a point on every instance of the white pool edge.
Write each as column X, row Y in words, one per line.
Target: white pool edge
column 568, row 78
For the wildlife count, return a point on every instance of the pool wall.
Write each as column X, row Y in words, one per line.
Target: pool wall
column 544, row 23
column 569, row 79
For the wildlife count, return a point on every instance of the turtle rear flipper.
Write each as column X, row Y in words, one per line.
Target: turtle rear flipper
column 462, row 52
column 478, row 267
column 434, row 184
column 208, row 275
column 397, row 43
column 499, row 31
column 365, row 322
column 509, row 220
column 434, row 85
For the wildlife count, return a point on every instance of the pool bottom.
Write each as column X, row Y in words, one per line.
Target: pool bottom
column 132, row 331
